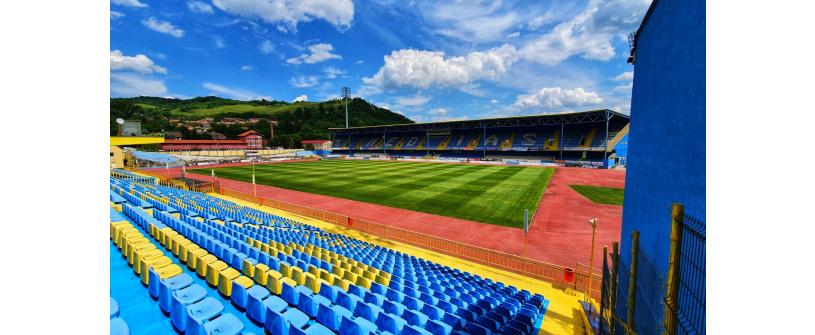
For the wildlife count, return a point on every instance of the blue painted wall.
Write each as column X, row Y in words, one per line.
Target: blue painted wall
column 666, row 150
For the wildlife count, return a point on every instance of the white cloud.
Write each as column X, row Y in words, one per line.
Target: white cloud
column 332, row 72
column 219, row 42
column 304, row 81
column 416, row 100
column 114, row 15
column 233, row 93
column 199, row 7
column 555, row 99
column 129, row 3
column 589, row 34
column 438, row 112
column 131, row 84
column 624, row 88
column 514, row 35
column 318, row 53
column 625, row 76
column 266, row 47
column 247, row 68
column 163, row 27
column 423, row 69
column 360, row 62
column 289, row 13
column 301, row 97
column 471, row 21
column 138, row 63
column 493, row 101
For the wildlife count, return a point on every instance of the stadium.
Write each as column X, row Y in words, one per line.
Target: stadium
column 559, row 223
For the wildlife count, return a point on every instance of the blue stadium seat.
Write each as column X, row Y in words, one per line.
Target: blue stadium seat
column 180, row 300
column 114, row 308
column 167, row 286
column 118, row 326
column 390, row 323
column 330, row 316
column 438, row 328
column 356, row 326
column 255, row 307
column 225, row 324
column 201, row 312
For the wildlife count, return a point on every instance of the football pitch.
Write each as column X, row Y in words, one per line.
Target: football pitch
column 483, row 193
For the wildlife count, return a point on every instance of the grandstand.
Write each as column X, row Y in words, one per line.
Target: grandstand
column 212, row 266
column 574, row 138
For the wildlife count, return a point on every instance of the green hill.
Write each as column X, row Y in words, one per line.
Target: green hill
column 296, row 121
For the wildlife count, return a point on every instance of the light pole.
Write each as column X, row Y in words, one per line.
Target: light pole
column 593, row 223
column 346, row 92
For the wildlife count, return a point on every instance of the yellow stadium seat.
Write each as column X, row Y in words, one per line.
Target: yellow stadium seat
column 180, row 245
column 312, row 283
column 285, row 270
column 338, row 271
column 142, row 255
column 287, row 281
column 382, row 280
column 364, row 282
column 184, row 250
column 225, row 278
column 313, row 270
column 248, row 268
column 202, row 262
column 260, row 273
column 369, row 275
column 342, row 283
column 134, row 252
column 327, row 277
column 157, row 263
column 264, row 248
column 168, row 271
column 213, row 269
column 350, row 276
column 273, row 281
column 193, row 256
column 297, row 275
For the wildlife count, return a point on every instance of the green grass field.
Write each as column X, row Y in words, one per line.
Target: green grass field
column 483, row 193
column 601, row 195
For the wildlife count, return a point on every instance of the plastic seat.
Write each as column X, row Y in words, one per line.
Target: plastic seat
column 374, row 298
column 329, row 292
column 356, row 326
column 240, row 291
column 415, row 318
column 489, row 323
column 200, row 313
column 454, row 321
column 413, row 330
column 438, row 328
column 288, row 293
column 180, row 299
column 254, row 302
column 348, row 301
column 413, row 303
column 474, row 329
column 226, row 324
column 313, row 329
column 368, row 311
column 114, row 308
column 394, row 308
column 526, row 328
column 390, row 323
column 118, row 326
column 307, row 304
column 167, row 286
column 509, row 330
column 330, row 316
column 434, row 313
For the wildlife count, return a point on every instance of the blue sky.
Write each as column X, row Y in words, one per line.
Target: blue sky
column 428, row 60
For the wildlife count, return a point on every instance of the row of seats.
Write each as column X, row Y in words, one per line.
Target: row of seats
column 417, row 290
column 190, row 309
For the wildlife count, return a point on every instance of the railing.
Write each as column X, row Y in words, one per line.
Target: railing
column 513, row 263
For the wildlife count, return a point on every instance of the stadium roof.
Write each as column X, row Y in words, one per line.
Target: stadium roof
column 599, row 115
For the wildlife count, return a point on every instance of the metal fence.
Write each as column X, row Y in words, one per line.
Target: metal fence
column 637, row 298
column 685, row 301
column 526, row 266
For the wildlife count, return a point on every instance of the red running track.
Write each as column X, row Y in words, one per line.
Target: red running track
column 559, row 234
